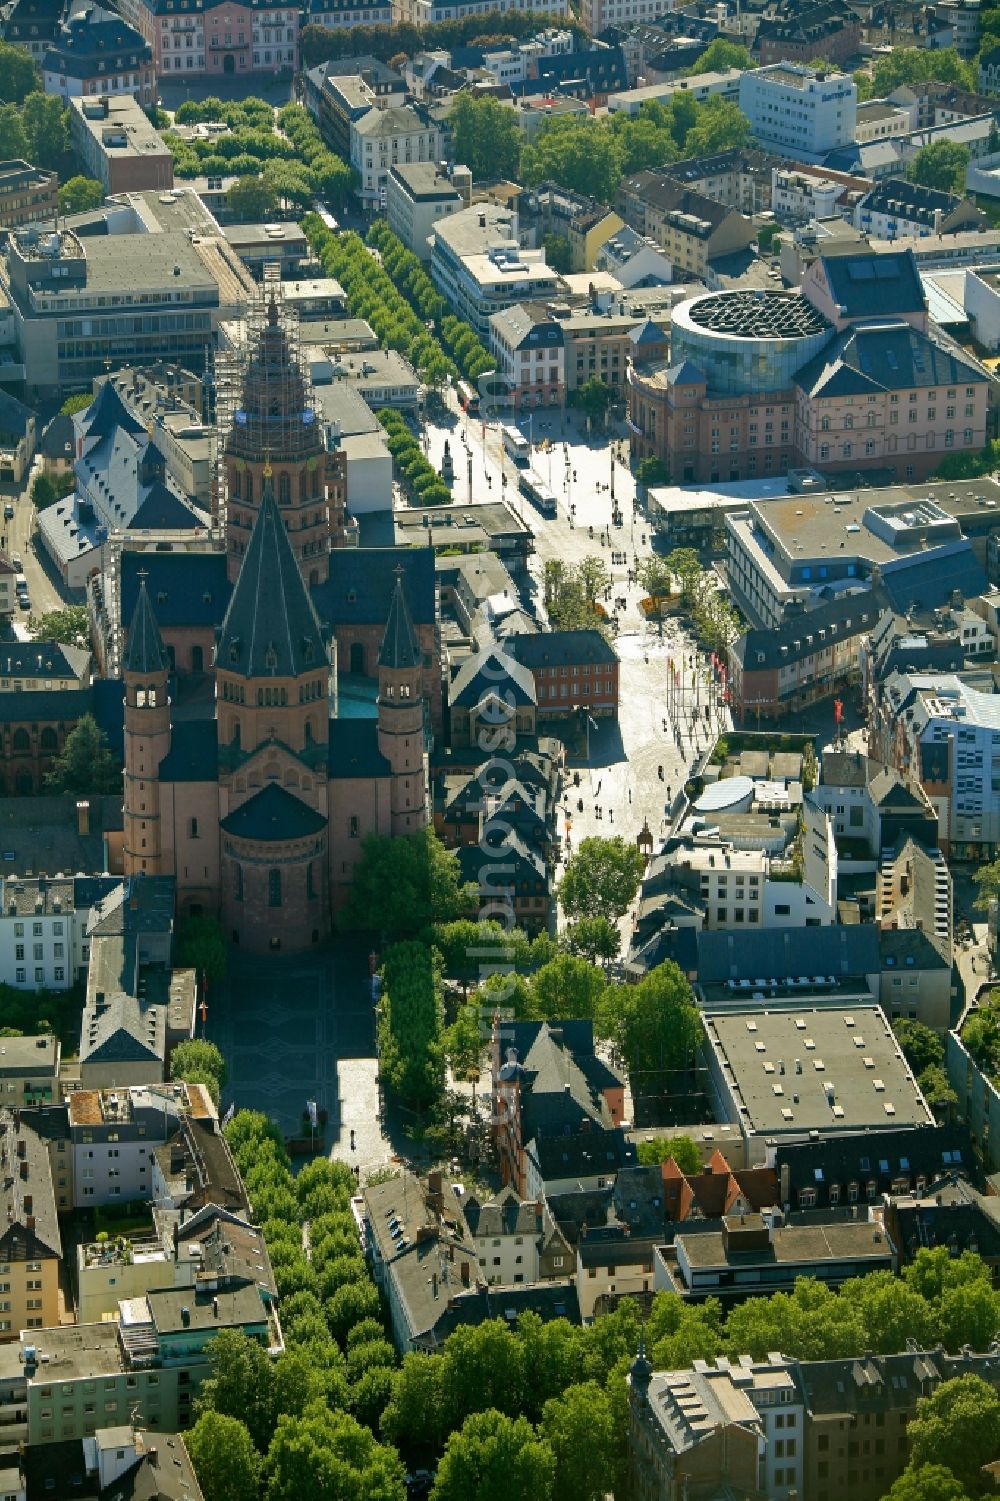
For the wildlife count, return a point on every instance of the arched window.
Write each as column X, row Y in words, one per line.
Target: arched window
column 48, row 740
column 236, row 734
column 309, row 732
column 303, row 486
column 151, row 697
column 274, row 888
column 24, row 783
column 238, row 882
column 21, row 741
column 315, row 481
column 284, row 489
column 237, row 483
column 249, row 494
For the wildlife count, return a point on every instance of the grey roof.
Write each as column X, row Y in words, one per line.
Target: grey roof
column 400, row 649
column 273, row 814
column 553, row 648
column 931, row 581
column 504, row 1214
column 798, row 636
column 145, row 651
column 27, row 1229
column 360, row 587
column 123, row 1030
column 847, row 952
column 886, row 357
column 865, row 284
column 838, row 1161
column 909, row 200
column 42, row 659
column 686, row 374
column 491, row 673
column 271, row 628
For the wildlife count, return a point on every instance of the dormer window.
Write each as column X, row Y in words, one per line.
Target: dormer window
column 271, row 659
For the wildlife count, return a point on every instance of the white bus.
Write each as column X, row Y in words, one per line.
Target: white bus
column 540, row 495
column 516, row 445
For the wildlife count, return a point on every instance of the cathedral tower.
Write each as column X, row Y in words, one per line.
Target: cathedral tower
column 275, row 424
column 401, row 716
column 145, row 670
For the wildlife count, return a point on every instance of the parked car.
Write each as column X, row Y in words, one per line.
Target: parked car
column 8, row 511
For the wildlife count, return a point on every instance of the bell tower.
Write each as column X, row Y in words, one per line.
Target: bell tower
column 401, row 716
column 271, row 422
column 145, row 670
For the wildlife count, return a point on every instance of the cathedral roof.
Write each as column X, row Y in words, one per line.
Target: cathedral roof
column 353, row 750
column 273, row 814
column 270, row 629
column 399, row 644
column 145, row 651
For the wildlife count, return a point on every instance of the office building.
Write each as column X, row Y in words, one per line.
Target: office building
column 799, row 111
column 418, row 195
column 26, row 194
column 118, row 145
column 479, row 268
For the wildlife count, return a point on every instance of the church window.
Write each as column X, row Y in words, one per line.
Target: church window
column 140, row 698
column 388, row 690
column 249, row 494
column 309, row 732
column 284, row 489
column 303, row 490
column 238, row 882
column 404, row 690
column 310, row 882
column 354, row 827
column 151, row 697
column 237, row 481
column 236, row 733
column 315, row 480
column 193, row 828
column 274, row 888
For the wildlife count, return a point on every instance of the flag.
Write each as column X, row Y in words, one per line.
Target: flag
column 313, row 1113
column 229, row 1114
column 838, row 710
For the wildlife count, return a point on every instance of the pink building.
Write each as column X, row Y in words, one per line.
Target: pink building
column 217, row 37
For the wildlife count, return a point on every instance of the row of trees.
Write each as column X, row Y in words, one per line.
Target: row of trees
column 36, row 130
column 924, row 1052
column 290, row 167
column 424, row 482
column 372, row 295
column 715, row 619
column 318, row 44
column 571, row 592
column 411, row 1015
column 408, row 274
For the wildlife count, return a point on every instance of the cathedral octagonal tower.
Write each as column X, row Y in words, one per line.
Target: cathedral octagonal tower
column 275, row 425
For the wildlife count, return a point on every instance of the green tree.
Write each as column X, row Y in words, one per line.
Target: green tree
column 495, row 1458
column 328, row 1456
column 80, row 194
column 487, row 137
column 241, row 1384
column 225, row 1461
column 199, row 1058
column 76, row 403
column 962, row 1420
column 557, row 252
column 942, row 165
column 594, row 576
column 652, row 471
column 251, row 199
column 201, row 946
column 46, row 127
column 568, row 987
column 685, row 565
column 576, row 152
column 18, row 75
column 720, row 126
column 411, row 1014
column 69, row 626
column 921, row 65
column 656, row 577
column 937, row 1091
column 472, row 950
column 403, row 885
column 594, row 938
column 594, row 398
column 659, row 1149
column 601, row 879
column 13, row 142
column 655, row 1025
column 720, row 56
column 464, row 1041
column 580, row 1429
column 931, row 1482
column 922, row 1048
column 85, row 764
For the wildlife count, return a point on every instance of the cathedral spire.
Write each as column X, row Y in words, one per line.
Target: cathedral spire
column 271, row 629
column 145, row 652
column 400, row 648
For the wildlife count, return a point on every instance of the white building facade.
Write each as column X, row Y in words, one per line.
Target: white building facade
column 798, row 111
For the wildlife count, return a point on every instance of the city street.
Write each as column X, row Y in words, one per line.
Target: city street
column 620, row 770
column 19, row 541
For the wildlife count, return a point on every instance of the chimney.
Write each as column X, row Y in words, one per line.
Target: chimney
column 83, row 816
column 29, row 1204
column 215, row 1308
column 186, row 1317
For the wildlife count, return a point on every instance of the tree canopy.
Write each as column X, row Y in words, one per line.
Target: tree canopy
column 85, row 764
column 79, row 194
column 487, row 137
column 941, row 165
column 601, row 878
column 403, row 885
column 495, row 1458
column 18, row 75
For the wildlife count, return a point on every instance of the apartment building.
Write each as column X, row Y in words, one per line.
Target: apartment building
column 114, row 1135
column 217, row 37
column 570, row 669
column 740, row 178
column 118, row 144
column 96, row 52
column 527, row 343
column 701, row 87
column 30, row 1243
column 895, row 209
column 799, row 111
column 29, row 1070
column 38, row 928
column 418, row 195
column 691, row 228
column 26, row 194
column 382, row 138
column 479, row 268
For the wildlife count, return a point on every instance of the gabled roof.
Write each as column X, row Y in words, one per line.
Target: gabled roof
column 481, row 676
column 868, row 285
column 891, row 356
column 107, row 411
column 686, row 374
column 271, row 629
column 186, row 588
column 145, row 651
column 400, row 649
column 362, row 579
column 273, row 814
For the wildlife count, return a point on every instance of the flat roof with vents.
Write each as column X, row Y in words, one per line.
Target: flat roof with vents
column 853, row 1071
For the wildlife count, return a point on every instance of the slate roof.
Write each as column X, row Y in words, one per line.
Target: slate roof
column 885, row 357
column 15, row 417
column 686, row 374
column 354, row 750
column 123, row 1031
column 186, row 588
column 868, row 285
column 144, row 651
column 844, row 951
column 271, row 628
column 758, row 650
column 909, row 200
column 194, row 752
column 93, row 39
column 952, row 1214
column 400, row 649
column 583, row 1155
column 362, row 579
column 504, row 1214
column 34, row 659
column 273, row 815
column 56, row 442
column 930, row 581
column 164, row 508
column 561, row 1077
column 553, row 648
column 490, row 673
column 924, row 1151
